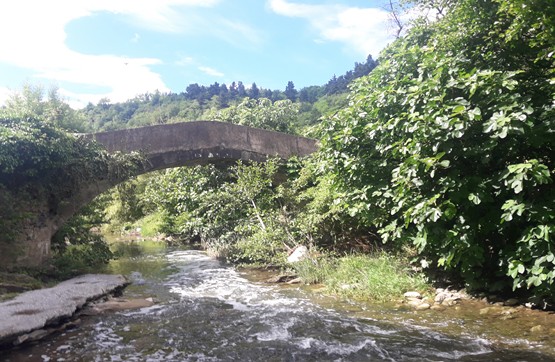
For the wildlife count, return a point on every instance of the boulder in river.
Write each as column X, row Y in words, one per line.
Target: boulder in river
column 412, row 295
column 116, row 304
column 36, row 309
column 299, row 253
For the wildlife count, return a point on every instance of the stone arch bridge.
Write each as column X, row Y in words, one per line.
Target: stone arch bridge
column 164, row 146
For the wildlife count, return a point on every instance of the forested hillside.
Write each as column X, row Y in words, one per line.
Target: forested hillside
column 202, row 102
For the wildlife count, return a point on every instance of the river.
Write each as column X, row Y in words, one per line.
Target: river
column 206, row 311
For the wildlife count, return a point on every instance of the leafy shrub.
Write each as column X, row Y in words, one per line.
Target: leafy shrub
column 43, row 166
column 448, row 144
column 80, row 258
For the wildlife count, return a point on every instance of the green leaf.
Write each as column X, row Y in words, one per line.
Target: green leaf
column 475, row 199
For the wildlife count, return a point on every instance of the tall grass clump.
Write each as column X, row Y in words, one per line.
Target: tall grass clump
column 379, row 277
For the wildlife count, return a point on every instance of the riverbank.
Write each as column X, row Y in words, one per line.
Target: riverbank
column 451, row 312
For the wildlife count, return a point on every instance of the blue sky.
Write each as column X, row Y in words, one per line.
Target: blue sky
column 92, row 49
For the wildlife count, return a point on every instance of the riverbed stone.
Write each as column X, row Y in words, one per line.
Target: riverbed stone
column 117, row 304
column 36, row 309
column 537, row 329
column 511, row 302
column 299, row 253
column 297, row 280
column 450, row 301
column 495, row 310
column 414, row 302
column 412, row 295
column 437, row 307
column 423, row 306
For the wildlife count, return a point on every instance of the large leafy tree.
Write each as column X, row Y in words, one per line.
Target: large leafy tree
column 33, row 101
column 262, row 113
column 448, row 144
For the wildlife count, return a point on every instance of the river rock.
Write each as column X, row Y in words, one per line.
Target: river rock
column 282, row 278
column 511, row 302
column 450, row 301
column 298, row 254
column 296, row 280
column 137, row 278
column 412, row 295
column 449, row 298
column 437, row 307
column 414, row 302
column 537, row 329
column 495, row 310
column 40, row 308
column 116, row 304
column 485, row 311
column 422, row 306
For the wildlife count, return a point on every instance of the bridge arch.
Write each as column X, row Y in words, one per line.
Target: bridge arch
column 203, row 142
column 164, row 146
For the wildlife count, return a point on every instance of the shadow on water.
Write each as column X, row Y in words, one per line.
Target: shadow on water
column 208, row 312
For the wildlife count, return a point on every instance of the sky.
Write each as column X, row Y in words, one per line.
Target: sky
column 117, row 49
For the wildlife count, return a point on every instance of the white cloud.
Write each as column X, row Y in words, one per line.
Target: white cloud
column 236, row 33
column 364, row 30
column 211, row 71
column 32, row 34
column 184, row 61
column 190, row 62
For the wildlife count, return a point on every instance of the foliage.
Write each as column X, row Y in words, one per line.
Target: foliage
column 216, row 207
column 41, row 167
column 125, row 202
column 77, row 246
column 448, row 144
column 80, row 258
column 315, row 269
column 260, row 113
column 31, row 102
column 151, row 225
column 44, row 146
column 54, row 159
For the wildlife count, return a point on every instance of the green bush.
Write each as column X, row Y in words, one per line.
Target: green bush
column 448, row 144
column 81, row 258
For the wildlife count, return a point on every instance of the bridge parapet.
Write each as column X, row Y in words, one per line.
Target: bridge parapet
column 202, row 142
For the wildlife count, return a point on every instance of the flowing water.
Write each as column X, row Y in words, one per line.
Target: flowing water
column 206, row 311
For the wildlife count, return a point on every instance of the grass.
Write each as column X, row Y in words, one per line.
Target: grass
column 379, row 277
column 151, row 224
